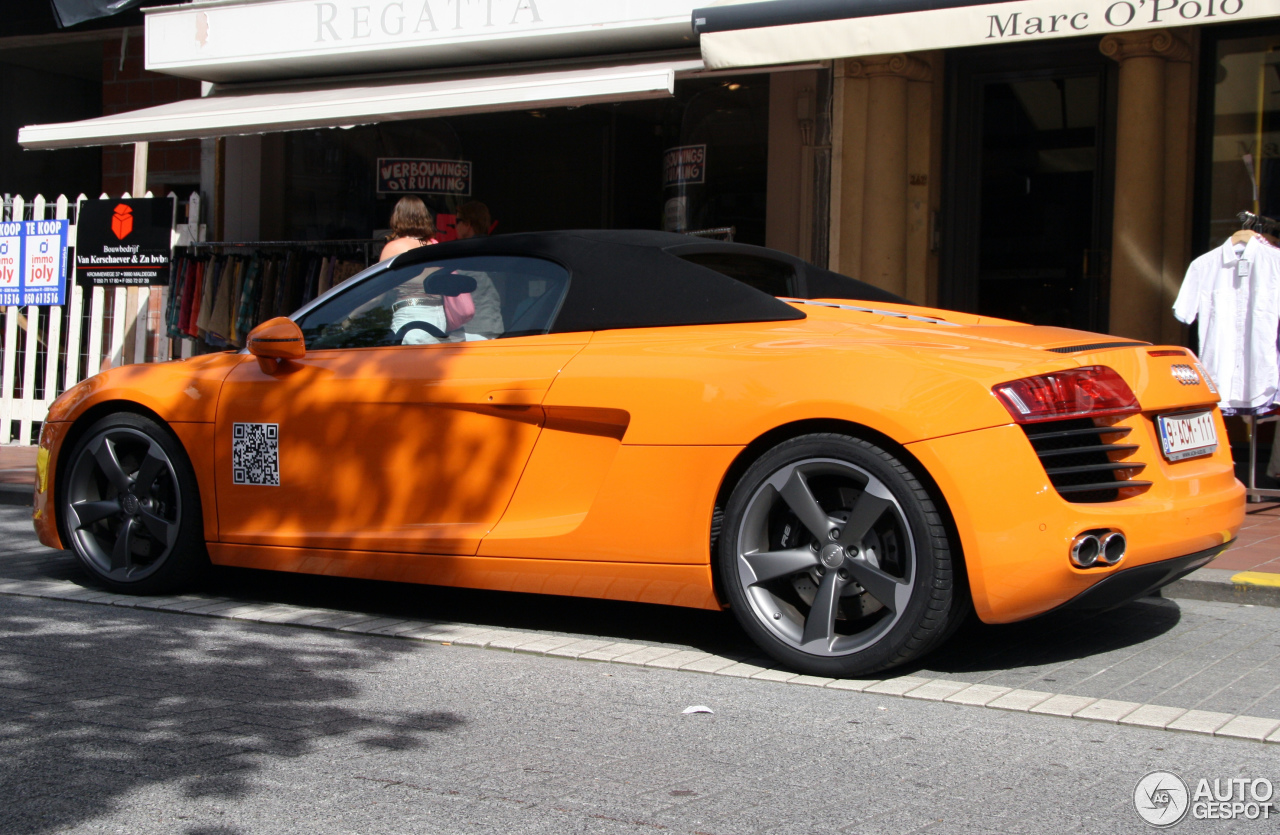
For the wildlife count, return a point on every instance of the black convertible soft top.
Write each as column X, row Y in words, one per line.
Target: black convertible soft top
column 638, row 278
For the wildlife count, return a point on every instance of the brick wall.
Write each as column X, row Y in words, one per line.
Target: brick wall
column 171, row 165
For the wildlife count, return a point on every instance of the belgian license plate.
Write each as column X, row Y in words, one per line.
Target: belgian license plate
column 1187, row 436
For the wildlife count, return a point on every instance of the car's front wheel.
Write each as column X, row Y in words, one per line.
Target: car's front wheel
column 130, row 508
column 835, row 558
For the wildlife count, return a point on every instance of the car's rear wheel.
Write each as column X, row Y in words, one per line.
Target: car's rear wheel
column 130, row 508
column 835, row 558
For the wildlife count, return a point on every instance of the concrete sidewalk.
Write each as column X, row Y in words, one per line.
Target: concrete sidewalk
column 1247, row 573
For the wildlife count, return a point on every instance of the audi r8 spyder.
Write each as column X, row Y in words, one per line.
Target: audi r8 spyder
column 652, row 417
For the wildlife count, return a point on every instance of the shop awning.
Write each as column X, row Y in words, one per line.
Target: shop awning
column 768, row 33
column 228, row 112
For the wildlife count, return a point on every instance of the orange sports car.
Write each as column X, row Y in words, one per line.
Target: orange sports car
column 651, row 417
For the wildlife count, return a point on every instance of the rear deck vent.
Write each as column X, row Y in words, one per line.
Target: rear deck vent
column 1095, row 346
column 1076, row 455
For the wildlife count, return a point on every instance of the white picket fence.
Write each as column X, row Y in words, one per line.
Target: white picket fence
column 49, row 349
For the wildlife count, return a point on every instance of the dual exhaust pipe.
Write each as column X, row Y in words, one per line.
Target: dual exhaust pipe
column 1104, row 547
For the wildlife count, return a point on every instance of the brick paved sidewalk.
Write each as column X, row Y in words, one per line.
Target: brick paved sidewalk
column 17, row 465
column 1258, row 546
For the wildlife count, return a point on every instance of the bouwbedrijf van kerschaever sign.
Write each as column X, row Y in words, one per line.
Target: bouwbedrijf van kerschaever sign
column 450, row 177
column 125, row 241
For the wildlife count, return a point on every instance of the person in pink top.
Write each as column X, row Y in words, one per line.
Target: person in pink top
column 411, row 227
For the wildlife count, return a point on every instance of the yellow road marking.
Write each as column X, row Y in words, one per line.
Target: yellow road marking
column 1256, row 578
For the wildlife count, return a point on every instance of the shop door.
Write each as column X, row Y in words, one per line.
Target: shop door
column 1027, row 206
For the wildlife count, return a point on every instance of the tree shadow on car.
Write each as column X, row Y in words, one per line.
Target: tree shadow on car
column 104, row 704
column 1053, row 639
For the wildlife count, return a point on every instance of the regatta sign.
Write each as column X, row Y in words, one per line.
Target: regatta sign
column 255, row 39
column 33, row 262
column 424, row 176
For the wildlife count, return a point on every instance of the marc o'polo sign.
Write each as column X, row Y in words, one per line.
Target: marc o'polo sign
column 424, row 176
column 969, row 25
column 125, row 242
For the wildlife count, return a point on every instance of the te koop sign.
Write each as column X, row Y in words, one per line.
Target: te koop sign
column 33, row 262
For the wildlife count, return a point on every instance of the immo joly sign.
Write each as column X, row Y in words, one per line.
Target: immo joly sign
column 33, row 262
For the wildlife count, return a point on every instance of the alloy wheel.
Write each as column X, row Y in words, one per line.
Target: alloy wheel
column 825, row 557
column 122, row 504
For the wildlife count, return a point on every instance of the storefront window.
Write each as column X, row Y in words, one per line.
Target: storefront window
column 597, row 166
column 721, row 162
column 1245, row 132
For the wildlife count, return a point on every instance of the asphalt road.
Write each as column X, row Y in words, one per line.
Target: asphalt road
column 125, row 720
column 139, row 722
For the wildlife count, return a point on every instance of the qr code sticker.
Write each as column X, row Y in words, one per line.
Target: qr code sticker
column 255, row 453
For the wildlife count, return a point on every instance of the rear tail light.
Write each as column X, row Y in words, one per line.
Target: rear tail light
column 1094, row 391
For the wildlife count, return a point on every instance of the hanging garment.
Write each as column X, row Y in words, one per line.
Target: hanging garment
column 346, row 270
column 177, row 279
column 280, row 303
column 197, row 290
column 219, row 329
column 1233, row 292
column 266, row 296
column 188, row 302
column 326, row 275
column 313, row 275
column 178, row 295
column 247, row 303
column 213, row 277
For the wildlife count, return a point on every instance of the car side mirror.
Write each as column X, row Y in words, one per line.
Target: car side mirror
column 448, row 284
column 278, row 338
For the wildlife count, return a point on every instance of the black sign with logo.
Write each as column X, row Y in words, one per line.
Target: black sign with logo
column 125, row 241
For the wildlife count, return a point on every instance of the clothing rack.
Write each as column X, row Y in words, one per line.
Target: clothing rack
column 365, row 245
column 1263, row 225
column 1252, row 491
column 721, row 233
column 222, row 289
column 1259, row 223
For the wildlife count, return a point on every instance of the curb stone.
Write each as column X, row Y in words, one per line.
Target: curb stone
column 1222, row 585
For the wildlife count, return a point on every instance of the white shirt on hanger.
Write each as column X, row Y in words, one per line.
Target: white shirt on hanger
column 1234, row 293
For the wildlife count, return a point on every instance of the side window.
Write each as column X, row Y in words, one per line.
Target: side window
column 773, row 277
column 450, row 300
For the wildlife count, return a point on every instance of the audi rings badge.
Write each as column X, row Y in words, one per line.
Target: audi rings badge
column 1185, row 374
